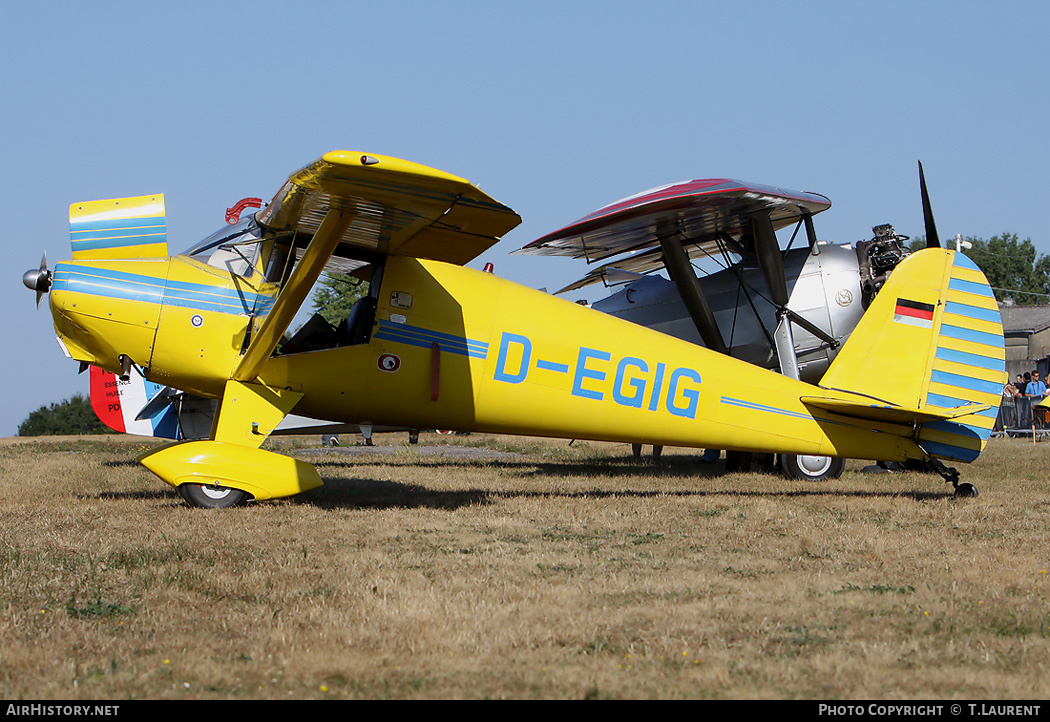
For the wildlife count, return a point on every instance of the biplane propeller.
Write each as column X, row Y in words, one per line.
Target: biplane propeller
column 434, row 344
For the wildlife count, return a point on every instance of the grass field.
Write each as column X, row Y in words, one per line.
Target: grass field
column 522, row 568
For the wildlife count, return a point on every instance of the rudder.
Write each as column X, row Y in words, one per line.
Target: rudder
column 116, row 403
column 119, row 228
column 931, row 341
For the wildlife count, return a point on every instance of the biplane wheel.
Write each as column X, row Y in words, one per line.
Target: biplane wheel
column 208, row 496
column 966, row 490
column 812, row 468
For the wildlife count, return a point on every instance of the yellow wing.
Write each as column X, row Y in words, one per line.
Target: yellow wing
column 398, row 207
column 348, row 202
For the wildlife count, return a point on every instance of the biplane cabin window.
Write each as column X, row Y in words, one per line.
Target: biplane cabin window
column 345, row 299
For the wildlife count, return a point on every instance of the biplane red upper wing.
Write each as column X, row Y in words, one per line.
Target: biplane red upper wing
column 703, row 213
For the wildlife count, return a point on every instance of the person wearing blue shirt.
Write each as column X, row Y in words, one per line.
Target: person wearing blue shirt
column 1035, row 387
column 1035, row 391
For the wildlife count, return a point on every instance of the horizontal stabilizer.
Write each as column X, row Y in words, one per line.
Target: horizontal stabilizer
column 889, row 413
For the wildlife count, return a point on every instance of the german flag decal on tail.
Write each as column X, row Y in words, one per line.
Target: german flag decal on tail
column 913, row 313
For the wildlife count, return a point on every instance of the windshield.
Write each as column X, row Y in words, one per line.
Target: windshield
column 245, row 230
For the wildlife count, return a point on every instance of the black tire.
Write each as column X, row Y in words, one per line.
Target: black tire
column 966, row 490
column 207, row 496
column 811, row 468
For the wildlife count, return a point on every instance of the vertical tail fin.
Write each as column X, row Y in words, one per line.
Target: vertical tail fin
column 931, row 342
column 116, row 403
column 119, row 228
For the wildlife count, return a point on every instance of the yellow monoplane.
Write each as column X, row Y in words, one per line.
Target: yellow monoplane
column 437, row 345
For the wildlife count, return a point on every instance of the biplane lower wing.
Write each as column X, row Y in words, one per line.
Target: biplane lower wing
column 117, row 404
column 142, row 408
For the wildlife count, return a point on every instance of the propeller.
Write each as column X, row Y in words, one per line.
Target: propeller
column 932, row 240
column 38, row 279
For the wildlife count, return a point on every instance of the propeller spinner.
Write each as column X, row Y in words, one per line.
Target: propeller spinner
column 38, row 279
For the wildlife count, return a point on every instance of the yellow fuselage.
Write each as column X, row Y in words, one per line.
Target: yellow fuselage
column 514, row 360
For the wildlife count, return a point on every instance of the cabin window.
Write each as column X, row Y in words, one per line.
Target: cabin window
column 347, row 301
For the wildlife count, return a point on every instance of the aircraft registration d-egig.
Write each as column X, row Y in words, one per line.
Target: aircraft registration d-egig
column 435, row 344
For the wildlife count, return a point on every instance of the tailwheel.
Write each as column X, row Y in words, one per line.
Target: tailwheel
column 810, row 467
column 209, row 496
column 965, row 490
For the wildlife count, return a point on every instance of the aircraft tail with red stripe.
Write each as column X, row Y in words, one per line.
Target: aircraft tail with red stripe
column 118, row 402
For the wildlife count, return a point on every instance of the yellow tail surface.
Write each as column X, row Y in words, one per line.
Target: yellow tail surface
column 119, row 228
column 937, row 300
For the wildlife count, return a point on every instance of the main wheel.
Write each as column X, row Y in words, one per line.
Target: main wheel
column 966, row 490
column 813, row 468
column 208, row 496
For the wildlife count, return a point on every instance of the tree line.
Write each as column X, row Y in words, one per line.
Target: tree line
column 70, row 417
column 1013, row 267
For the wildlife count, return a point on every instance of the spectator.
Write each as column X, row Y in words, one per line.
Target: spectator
column 1023, row 404
column 1007, row 408
column 1036, row 389
column 1019, row 384
column 636, row 449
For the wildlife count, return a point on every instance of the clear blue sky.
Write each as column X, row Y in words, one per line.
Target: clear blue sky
column 555, row 108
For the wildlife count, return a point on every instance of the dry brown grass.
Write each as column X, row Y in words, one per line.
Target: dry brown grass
column 549, row 571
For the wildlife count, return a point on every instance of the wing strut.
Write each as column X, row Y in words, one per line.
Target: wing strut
column 811, row 233
column 294, row 293
column 769, row 260
column 768, row 252
column 684, row 277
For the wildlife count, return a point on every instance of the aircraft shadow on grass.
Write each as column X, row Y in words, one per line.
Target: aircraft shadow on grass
column 361, row 492
column 355, row 491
